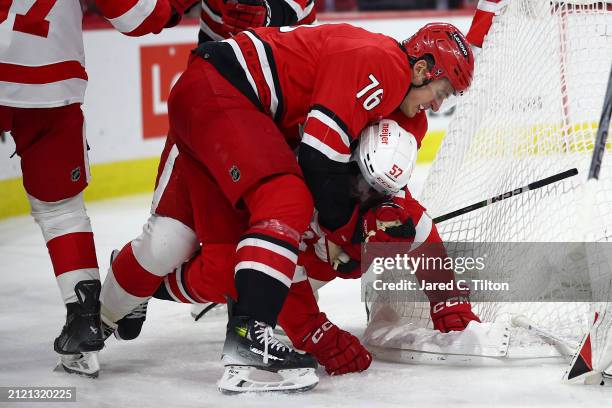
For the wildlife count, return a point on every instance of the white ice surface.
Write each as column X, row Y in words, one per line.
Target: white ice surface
column 175, row 362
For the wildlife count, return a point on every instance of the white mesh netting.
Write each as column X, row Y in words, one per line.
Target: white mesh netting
column 532, row 111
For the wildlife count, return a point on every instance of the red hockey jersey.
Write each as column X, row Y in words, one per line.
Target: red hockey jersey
column 42, row 62
column 332, row 80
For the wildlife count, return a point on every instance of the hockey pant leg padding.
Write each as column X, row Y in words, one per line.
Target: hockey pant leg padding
column 141, row 265
column 67, row 232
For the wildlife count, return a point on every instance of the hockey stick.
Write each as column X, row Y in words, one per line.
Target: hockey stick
column 576, row 368
column 602, row 133
column 564, row 347
column 204, row 311
column 531, row 186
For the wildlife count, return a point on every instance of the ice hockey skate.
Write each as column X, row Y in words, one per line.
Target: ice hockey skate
column 81, row 337
column 130, row 326
column 255, row 361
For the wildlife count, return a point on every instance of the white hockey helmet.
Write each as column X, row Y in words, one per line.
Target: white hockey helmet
column 386, row 156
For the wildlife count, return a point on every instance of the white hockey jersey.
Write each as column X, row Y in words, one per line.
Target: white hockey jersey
column 42, row 62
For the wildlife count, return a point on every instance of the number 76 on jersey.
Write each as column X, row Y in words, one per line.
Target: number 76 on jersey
column 373, row 93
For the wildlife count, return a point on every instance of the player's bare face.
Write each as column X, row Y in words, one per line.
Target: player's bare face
column 425, row 97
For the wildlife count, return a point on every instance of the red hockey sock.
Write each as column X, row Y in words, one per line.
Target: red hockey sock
column 131, row 276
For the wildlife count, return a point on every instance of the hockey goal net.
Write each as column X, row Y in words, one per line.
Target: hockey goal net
column 532, row 111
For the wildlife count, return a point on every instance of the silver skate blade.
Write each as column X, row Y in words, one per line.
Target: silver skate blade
column 85, row 364
column 241, row 379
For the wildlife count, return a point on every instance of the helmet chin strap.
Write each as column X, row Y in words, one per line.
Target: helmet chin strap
column 429, row 78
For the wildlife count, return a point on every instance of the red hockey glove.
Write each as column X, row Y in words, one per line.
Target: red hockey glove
column 452, row 316
column 337, row 350
column 483, row 19
column 388, row 223
column 238, row 15
column 392, row 221
column 179, row 7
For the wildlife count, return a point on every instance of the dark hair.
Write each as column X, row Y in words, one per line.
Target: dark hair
column 427, row 57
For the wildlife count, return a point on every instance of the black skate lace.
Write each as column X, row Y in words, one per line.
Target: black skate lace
column 139, row 312
column 270, row 342
column 107, row 331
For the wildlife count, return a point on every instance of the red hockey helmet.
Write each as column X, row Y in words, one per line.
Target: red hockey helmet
column 453, row 58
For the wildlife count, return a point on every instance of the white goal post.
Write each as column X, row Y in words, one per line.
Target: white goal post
column 532, row 112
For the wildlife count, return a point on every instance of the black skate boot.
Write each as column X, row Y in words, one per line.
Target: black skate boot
column 129, row 327
column 81, row 337
column 255, row 361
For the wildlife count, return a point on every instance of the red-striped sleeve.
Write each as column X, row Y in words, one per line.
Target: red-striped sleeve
column 483, row 18
column 136, row 17
column 353, row 88
column 327, row 133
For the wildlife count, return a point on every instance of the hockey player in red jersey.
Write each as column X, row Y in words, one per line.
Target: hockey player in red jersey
column 235, row 112
column 220, row 19
column 208, row 277
column 42, row 84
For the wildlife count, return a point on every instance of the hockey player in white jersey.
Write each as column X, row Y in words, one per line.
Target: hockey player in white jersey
column 42, row 84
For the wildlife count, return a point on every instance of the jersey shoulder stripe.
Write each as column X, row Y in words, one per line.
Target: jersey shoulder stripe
column 268, row 64
column 333, row 117
column 222, row 56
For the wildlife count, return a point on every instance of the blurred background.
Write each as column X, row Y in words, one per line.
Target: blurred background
column 126, row 134
column 352, row 5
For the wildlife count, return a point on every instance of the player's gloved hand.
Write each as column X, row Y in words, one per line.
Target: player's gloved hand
column 238, row 15
column 387, row 223
column 179, row 7
column 337, row 350
column 452, row 316
column 346, row 267
column 482, row 20
column 337, row 247
column 392, row 221
column 343, row 260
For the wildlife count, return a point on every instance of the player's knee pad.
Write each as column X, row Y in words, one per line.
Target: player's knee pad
column 164, row 244
column 60, row 217
column 284, row 198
